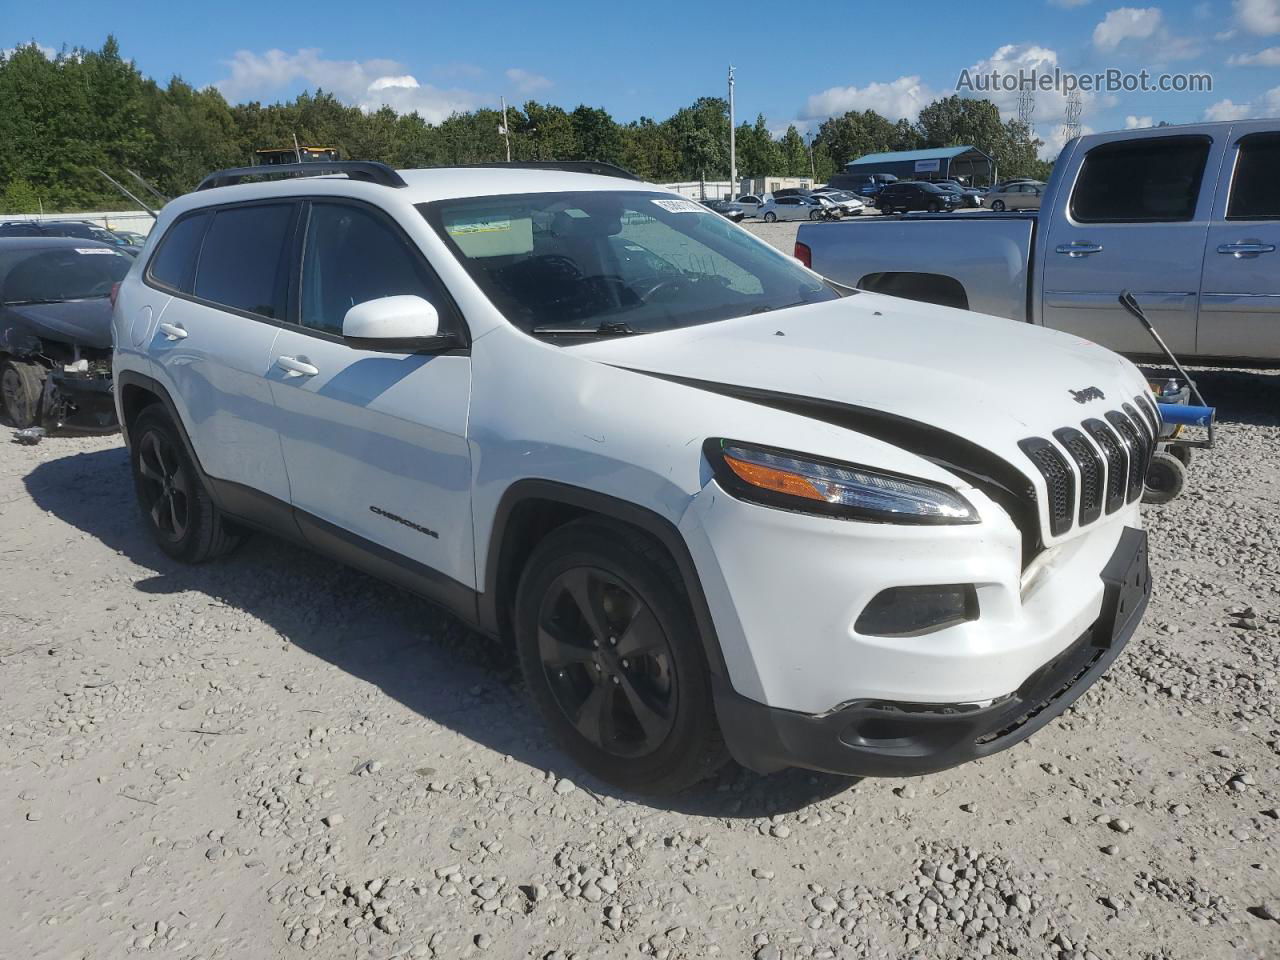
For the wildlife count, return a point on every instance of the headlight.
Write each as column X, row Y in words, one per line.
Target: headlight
column 797, row 481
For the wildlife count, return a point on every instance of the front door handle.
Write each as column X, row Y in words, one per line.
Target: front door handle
column 1079, row 248
column 1247, row 249
column 173, row 331
column 296, row 367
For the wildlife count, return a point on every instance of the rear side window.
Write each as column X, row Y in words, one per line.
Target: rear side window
column 1255, row 189
column 244, row 261
column 351, row 255
column 1141, row 181
column 174, row 263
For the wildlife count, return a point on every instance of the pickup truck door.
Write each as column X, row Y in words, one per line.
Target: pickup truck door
column 1240, row 290
column 1131, row 213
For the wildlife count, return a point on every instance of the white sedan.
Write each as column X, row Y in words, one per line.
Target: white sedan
column 796, row 208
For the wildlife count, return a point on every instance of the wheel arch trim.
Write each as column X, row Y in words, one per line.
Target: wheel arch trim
column 493, row 600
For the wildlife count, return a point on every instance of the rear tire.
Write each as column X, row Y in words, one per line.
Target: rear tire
column 175, row 504
column 21, row 384
column 770, row 217
column 612, row 657
column 1166, row 477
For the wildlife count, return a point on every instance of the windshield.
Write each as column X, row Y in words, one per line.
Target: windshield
column 616, row 262
column 46, row 274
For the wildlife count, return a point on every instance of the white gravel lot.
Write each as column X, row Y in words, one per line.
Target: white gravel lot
column 273, row 755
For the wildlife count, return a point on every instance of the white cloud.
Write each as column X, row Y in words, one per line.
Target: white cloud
column 369, row 84
column 1261, row 17
column 1269, row 57
column 48, row 52
column 1227, row 110
column 1141, row 31
column 1202, row 11
column 526, row 81
column 1055, row 139
column 897, row 99
column 1136, row 123
column 1268, row 105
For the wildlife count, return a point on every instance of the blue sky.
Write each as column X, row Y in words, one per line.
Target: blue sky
column 651, row 58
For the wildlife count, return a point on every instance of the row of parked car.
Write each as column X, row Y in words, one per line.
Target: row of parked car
column 823, row 203
column 125, row 240
column 886, row 193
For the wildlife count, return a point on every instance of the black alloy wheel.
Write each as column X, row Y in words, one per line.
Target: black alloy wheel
column 608, row 662
column 171, row 494
column 613, row 657
column 167, row 498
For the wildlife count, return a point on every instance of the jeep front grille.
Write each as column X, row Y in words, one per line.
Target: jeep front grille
column 1110, row 459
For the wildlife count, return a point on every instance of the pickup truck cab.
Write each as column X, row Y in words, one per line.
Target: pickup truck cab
column 1187, row 218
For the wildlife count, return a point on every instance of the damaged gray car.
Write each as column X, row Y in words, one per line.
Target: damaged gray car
column 55, row 331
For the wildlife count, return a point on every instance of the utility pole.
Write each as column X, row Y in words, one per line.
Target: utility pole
column 733, row 146
column 504, row 129
column 813, row 169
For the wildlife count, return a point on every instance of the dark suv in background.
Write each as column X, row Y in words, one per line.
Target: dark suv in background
column 916, row 195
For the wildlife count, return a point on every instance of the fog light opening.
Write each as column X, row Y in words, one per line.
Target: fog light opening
column 914, row 611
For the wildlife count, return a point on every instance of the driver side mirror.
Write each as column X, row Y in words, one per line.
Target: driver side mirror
column 401, row 323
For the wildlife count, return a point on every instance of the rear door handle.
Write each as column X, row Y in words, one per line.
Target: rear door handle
column 173, row 331
column 1079, row 248
column 296, row 366
column 1247, row 248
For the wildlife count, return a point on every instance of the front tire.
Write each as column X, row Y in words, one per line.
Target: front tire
column 175, row 504
column 21, row 384
column 770, row 217
column 815, row 214
column 997, row 205
column 613, row 658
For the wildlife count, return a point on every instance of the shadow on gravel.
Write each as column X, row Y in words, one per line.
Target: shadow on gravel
column 411, row 650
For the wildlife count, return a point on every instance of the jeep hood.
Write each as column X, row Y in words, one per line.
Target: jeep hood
column 988, row 380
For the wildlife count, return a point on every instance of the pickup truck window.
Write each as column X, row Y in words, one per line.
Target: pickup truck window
column 1141, row 181
column 1255, row 188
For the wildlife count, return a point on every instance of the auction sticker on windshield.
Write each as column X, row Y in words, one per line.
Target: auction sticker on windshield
column 679, row 206
column 87, row 250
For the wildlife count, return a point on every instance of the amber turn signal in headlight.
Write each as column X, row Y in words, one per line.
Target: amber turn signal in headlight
column 799, row 481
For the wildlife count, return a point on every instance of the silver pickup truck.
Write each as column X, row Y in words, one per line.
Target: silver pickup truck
column 1187, row 218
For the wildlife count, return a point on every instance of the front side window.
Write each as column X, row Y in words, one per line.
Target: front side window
column 1141, row 181
column 637, row 262
column 349, row 256
column 244, row 261
column 1255, row 188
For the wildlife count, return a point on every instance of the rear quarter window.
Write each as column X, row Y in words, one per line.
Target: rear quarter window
column 174, row 264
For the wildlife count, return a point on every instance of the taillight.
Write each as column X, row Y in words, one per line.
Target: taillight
column 804, row 254
column 115, row 292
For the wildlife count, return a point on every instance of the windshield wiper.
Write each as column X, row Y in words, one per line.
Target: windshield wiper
column 610, row 328
column 30, row 301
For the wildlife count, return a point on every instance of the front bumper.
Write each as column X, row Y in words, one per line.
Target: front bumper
column 79, row 402
column 894, row 739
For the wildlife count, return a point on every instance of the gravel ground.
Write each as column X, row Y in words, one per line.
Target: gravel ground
column 273, row 755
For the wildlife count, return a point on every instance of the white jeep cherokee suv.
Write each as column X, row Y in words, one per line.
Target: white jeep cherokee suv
column 721, row 505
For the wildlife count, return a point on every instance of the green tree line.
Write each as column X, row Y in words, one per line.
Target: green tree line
column 64, row 117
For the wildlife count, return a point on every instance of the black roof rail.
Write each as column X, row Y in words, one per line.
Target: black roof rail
column 597, row 167
column 367, row 170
